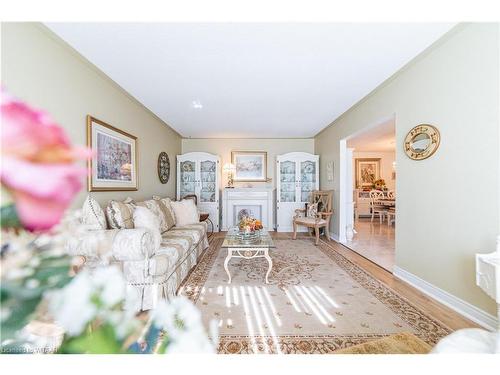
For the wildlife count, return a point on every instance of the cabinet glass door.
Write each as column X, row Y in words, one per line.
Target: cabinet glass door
column 188, row 178
column 307, row 179
column 287, row 181
column 208, row 190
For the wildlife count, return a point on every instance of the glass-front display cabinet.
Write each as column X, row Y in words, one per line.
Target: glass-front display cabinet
column 198, row 173
column 298, row 177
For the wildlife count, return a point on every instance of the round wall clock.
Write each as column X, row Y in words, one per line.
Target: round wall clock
column 422, row 141
column 163, row 167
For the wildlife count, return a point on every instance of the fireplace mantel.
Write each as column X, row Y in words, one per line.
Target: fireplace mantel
column 258, row 202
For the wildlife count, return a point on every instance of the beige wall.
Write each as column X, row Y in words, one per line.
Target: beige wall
column 447, row 204
column 274, row 147
column 41, row 69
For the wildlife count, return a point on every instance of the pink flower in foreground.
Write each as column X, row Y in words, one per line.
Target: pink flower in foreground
column 37, row 164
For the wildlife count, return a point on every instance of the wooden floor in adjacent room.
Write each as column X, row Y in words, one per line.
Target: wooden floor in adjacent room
column 449, row 317
column 375, row 240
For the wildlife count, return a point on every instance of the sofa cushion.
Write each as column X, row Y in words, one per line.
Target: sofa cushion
column 194, row 231
column 168, row 257
column 185, row 212
column 120, row 214
column 168, row 212
column 93, row 216
column 145, row 218
column 159, row 211
column 175, row 247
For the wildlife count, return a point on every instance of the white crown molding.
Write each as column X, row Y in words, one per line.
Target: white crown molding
column 462, row 307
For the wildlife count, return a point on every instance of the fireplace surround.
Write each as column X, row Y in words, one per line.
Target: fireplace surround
column 255, row 202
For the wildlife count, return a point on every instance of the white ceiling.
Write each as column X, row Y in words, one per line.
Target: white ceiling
column 250, row 80
column 380, row 138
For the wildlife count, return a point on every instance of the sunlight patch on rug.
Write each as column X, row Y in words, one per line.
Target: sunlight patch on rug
column 316, row 301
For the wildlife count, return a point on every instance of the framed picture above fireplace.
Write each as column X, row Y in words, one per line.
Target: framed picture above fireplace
column 250, row 165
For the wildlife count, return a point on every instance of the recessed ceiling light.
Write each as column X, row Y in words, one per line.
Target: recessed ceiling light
column 196, row 104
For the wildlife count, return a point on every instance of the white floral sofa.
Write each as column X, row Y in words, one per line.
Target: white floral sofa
column 152, row 273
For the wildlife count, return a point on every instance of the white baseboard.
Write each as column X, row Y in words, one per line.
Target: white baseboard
column 462, row 307
column 335, row 237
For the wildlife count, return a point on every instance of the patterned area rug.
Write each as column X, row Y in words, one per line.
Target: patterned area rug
column 400, row 343
column 317, row 301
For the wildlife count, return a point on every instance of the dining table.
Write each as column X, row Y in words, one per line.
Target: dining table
column 389, row 202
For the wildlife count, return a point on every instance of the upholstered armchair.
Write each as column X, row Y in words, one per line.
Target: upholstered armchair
column 317, row 215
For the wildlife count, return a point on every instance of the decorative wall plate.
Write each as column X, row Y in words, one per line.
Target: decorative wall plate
column 163, row 167
column 422, row 141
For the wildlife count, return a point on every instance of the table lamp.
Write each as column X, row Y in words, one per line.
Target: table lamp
column 229, row 169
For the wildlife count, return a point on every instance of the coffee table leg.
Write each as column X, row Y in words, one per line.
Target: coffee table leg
column 270, row 261
column 226, row 263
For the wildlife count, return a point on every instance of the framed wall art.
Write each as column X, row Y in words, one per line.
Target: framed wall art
column 113, row 166
column 249, row 165
column 367, row 172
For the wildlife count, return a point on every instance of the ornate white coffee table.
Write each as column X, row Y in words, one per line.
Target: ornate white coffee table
column 239, row 248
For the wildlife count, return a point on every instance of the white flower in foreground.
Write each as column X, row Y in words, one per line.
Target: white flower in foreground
column 111, row 283
column 176, row 315
column 181, row 321
column 123, row 322
column 71, row 306
column 213, row 330
column 90, row 295
column 19, row 273
column 190, row 342
column 124, row 319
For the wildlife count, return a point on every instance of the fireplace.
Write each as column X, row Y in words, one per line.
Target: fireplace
column 241, row 211
column 255, row 202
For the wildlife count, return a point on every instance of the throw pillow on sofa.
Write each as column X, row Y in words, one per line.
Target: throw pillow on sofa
column 120, row 214
column 145, row 218
column 92, row 214
column 170, row 216
column 185, row 212
column 163, row 214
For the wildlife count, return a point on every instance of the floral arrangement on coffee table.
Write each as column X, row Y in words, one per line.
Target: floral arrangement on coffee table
column 249, row 224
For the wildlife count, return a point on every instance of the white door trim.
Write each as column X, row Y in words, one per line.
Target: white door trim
column 343, row 191
column 343, row 176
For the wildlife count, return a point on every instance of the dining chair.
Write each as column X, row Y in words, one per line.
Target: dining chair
column 391, row 212
column 391, row 194
column 375, row 206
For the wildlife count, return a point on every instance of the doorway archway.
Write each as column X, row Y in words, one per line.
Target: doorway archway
column 374, row 240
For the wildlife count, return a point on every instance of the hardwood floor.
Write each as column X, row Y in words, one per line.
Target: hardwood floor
column 446, row 315
column 375, row 241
